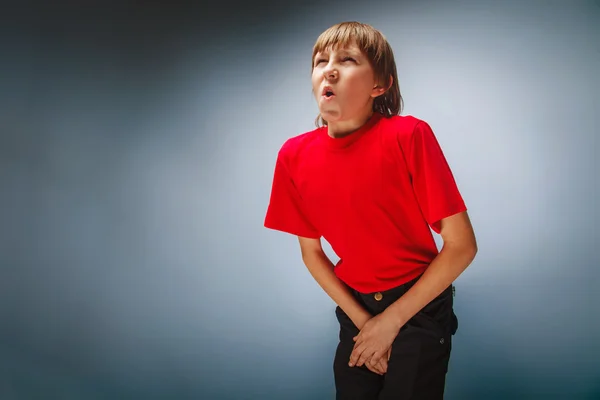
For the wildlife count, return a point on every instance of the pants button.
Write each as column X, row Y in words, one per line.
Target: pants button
column 378, row 296
column 442, row 341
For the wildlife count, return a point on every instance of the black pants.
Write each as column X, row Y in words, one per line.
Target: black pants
column 420, row 353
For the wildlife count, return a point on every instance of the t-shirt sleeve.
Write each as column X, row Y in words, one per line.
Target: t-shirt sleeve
column 432, row 180
column 286, row 211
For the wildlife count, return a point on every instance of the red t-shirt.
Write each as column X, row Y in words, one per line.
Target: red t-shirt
column 373, row 195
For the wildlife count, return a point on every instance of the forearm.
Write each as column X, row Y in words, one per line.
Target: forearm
column 443, row 270
column 321, row 269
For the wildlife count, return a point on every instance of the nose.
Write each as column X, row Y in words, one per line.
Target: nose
column 330, row 73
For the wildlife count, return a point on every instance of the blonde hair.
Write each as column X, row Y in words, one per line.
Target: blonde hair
column 379, row 52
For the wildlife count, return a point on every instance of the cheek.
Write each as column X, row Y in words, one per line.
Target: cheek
column 315, row 84
column 361, row 83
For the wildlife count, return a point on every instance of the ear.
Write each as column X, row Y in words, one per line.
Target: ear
column 378, row 90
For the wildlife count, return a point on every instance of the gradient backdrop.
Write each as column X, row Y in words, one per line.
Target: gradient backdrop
column 137, row 149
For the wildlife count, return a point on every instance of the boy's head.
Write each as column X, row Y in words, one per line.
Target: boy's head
column 354, row 73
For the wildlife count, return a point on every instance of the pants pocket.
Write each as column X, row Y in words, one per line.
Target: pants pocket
column 347, row 328
column 438, row 316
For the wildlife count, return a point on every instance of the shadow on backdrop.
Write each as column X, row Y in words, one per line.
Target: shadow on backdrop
column 136, row 157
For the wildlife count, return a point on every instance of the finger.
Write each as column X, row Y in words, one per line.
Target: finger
column 376, row 358
column 379, row 355
column 380, row 367
column 365, row 355
column 383, row 366
column 382, row 363
column 374, row 368
column 356, row 354
column 359, row 344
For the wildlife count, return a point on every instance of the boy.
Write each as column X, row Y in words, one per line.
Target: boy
column 372, row 183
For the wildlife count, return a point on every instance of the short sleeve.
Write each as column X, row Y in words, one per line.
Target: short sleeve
column 432, row 180
column 286, row 210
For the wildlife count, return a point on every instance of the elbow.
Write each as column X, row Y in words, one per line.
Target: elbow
column 465, row 250
column 473, row 245
column 470, row 249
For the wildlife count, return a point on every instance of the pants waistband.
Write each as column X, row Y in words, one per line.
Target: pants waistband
column 377, row 302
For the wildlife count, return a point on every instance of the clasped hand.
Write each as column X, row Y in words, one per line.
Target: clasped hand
column 373, row 343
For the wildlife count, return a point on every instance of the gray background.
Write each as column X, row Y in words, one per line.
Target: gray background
column 136, row 155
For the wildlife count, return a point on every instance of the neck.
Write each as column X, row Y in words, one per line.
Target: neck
column 338, row 129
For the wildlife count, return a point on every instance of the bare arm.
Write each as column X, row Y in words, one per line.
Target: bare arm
column 321, row 268
column 459, row 250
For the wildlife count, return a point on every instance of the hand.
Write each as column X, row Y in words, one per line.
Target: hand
column 381, row 367
column 374, row 340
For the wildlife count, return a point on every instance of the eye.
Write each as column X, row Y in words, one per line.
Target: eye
column 319, row 61
column 348, row 59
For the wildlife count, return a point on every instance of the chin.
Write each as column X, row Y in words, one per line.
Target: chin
column 331, row 115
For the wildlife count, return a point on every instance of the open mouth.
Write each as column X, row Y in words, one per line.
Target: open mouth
column 328, row 92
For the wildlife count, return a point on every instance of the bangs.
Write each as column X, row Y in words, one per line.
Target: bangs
column 369, row 41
